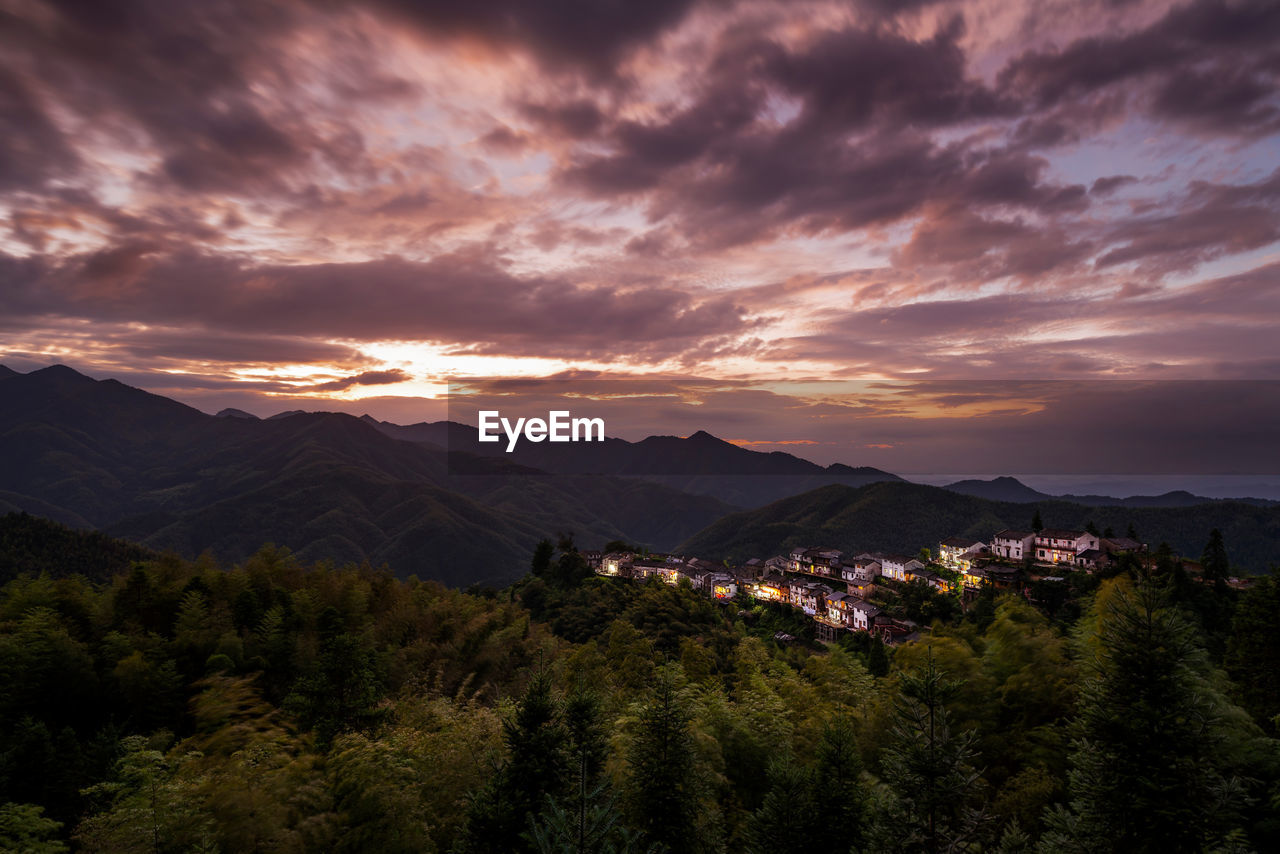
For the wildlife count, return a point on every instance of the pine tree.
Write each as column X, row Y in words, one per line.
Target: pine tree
column 929, row 773
column 877, row 658
column 661, row 774
column 1143, row 767
column 838, row 777
column 543, row 552
column 1253, row 654
column 1037, row 524
column 536, row 768
column 785, row 823
column 1214, row 561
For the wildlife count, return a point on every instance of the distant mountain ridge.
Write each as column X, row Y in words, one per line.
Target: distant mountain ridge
column 701, row 463
column 905, row 517
column 327, row 485
column 431, row 500
column 1013, row 490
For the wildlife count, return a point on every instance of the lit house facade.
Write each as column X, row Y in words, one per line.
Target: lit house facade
column 808, row 596
column 859, row 570
column 1054, row 545
column 822, row 561
column 1013, row 545
column 958, row 552
column 897, row 567
column 862, row 615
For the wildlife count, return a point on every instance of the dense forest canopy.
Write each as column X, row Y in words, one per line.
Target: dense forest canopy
column 178, row 705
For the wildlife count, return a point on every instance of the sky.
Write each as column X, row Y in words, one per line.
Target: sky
column 905, row 233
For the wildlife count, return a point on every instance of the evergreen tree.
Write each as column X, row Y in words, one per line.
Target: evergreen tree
column 929, row 773
column 543, row 552
column 1037, row 524
column 877, row 658
column 785, row 822
column 1253, row 654
column 1214, row 561
column 844, row 799
column 594, row 827
column 536, row 768
column 342, row 691
column 571, row 569
column 1144, row 763
column 662, row 779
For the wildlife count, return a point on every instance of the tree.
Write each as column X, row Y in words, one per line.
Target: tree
column 928, row 770
column 839, row 772
column 1037, row 524
column 24, row 828
column 1214, row 562
column 877, row 658
column 535, row 768
column 1253, row 653
column 341, row 692
column 543, row 552
column 1144, row 766
column 571, row 569
column 593, row 828
column 150, row 806
column 662, row 786
column 785, row 824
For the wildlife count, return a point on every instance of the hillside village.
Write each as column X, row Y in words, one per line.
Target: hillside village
column 848, row 592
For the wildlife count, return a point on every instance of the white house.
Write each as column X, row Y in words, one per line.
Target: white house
column 1055, row 545
column 1012, row 545
column 897, row 567
column 862, row 614
column 859, row 570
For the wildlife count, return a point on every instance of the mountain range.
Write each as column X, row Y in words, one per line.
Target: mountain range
column 1013, row 490
column 430, row 500
column 905, row 516
column 104, row 455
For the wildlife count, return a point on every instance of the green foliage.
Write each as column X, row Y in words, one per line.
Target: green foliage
column 1147, row 772
column 24, row 828
column 535, row 768
column 1253, row 654
column 932, row 796
column 878, row 658
column 785, row 822
column 276, row 706
column 662, row 786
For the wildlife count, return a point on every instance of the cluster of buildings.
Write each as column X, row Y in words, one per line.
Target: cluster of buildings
column 836, row 589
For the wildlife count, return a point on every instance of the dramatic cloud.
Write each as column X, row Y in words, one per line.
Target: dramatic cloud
column 352, row 202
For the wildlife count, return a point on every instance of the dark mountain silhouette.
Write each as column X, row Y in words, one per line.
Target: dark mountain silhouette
column 1014, row 490
column 700, row 464
column 904, row 517
column 327, row 485
column 231, row 412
